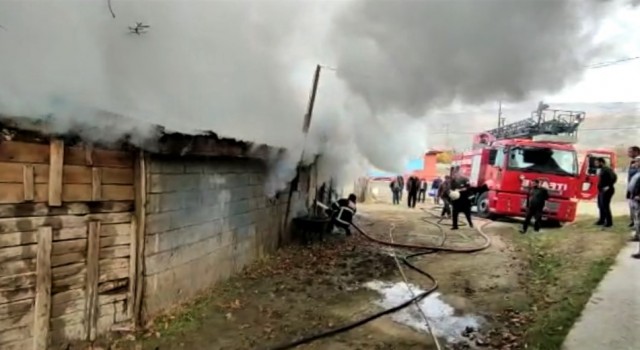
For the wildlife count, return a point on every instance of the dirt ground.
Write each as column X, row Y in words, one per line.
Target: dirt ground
column 303, row 290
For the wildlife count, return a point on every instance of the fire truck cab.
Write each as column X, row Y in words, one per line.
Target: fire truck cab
column 504, row 162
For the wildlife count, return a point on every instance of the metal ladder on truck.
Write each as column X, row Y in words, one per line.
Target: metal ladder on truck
column 543, row 121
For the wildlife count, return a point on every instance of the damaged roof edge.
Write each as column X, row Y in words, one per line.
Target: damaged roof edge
column 205, row 143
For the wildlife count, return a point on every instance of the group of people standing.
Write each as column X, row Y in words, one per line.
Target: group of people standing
column 441, row 190
column 607, row 179
column 416, row 189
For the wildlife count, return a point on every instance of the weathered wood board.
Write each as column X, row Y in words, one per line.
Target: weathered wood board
column 67, row 240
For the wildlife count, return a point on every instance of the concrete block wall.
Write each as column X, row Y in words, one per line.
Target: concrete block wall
column 206, row 220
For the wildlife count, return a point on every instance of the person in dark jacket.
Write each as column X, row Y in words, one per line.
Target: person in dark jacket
column 633, row 152
column 435, row 185
column 342, row 212
column 422, row 193
column 461, row 204
column 536, row 198
column 443, row 193
column 396, row 189
column 400, row 180
column 634, row 194
column 606, row 180
column 413, row 186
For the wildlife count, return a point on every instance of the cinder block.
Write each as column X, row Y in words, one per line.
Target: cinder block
column 261, row 202
column 172, row 166
column 241, row 220
column 234, row 166
column 227, row 238
column 241, row 193
column 165, row 201
column 257, row 191
column 253, row 205
column 155, row 183
column 215, row 181
column 209, row 198
column 158, row 222
column 171, row 287
column 239, row 207
column 184, row 218
column 254, row 179
column 153, row 203
column 213, row 167
column 155, row 166
column 246, row 232
column 173, row 239
column 195, row 166
column 242, row 180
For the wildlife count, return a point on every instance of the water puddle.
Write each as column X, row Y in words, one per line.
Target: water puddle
column 444, row 322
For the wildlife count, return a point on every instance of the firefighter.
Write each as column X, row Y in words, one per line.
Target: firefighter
column 606, row 180
column 460, row 202
column 536, row 198
column 443, row 193
column 342, row 212
column 413, row 186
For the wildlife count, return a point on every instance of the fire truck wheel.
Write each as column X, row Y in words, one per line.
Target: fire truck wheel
column 553, row 224
column 482, row 203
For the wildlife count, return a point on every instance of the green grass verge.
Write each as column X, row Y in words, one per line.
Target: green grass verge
column 564, row 268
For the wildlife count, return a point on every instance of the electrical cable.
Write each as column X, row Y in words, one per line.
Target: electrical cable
column 424, row 250
column 612, row 63
column 113, row 14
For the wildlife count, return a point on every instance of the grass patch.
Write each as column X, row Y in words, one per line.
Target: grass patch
column 565, row 266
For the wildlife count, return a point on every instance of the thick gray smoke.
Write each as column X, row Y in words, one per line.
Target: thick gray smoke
column 243, row 68
column 411, row 56
column 202, row 65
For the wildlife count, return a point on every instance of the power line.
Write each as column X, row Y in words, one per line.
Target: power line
column 113, row 14
column 611, row 63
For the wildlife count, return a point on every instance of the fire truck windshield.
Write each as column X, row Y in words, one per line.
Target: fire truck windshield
column 543, row 160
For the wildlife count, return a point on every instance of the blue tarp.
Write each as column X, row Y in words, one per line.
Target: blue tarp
column 416, row 164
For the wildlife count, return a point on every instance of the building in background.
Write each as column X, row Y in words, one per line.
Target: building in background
column 425, row 167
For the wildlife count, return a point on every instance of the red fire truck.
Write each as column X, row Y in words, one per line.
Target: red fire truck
column 504, row 161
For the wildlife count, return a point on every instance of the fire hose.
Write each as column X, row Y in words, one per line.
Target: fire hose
column 424, row 250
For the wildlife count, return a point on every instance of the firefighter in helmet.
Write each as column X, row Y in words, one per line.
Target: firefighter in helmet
column 459, row 195
column 342, row 212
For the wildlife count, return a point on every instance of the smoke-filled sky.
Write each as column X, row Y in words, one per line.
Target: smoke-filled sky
column 243, row 68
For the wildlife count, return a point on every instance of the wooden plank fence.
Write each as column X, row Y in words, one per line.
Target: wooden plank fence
column 68, row 243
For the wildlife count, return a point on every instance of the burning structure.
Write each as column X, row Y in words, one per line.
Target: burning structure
column 96, row 238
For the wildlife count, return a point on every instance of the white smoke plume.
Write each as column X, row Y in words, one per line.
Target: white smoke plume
column 243, row 68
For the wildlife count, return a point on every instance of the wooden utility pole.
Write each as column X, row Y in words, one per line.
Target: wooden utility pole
column 312, row 100
column 305, row 130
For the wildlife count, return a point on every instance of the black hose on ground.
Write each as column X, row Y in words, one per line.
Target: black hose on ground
column 405, row 260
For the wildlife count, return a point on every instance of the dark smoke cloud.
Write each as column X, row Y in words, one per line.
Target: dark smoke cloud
column 410, row 56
